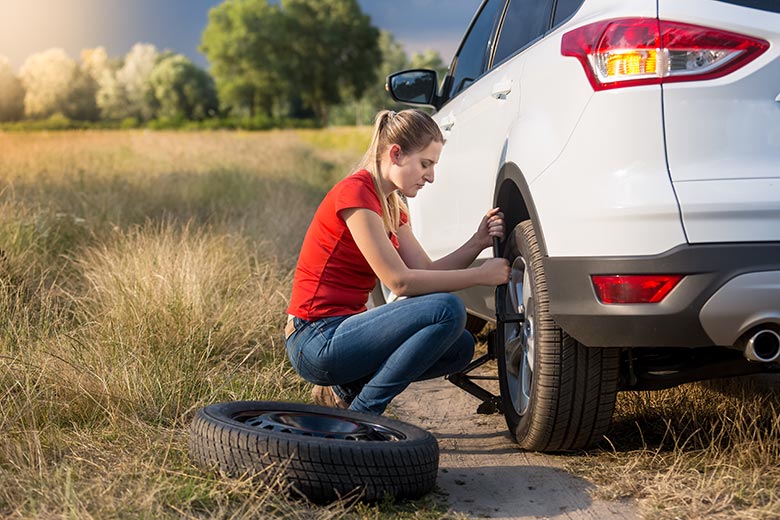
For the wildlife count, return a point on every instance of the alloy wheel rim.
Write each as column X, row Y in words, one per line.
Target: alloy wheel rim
column 519, row 338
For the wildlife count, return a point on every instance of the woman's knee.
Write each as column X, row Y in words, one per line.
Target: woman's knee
column 451, row 309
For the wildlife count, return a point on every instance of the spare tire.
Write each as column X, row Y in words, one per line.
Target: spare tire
column 323, row 453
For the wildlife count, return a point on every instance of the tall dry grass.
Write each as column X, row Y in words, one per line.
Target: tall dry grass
column 702, row 450
column 142, row 276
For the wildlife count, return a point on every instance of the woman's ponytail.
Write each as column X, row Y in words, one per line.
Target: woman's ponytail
column 412, row 130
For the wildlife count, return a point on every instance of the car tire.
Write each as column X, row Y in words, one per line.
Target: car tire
column 557, row 394
column 322, row 453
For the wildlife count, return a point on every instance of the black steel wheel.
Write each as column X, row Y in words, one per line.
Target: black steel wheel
column 323, row 453
column 557, row 394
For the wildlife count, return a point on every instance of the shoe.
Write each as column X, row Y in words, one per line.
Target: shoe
column 325, row 396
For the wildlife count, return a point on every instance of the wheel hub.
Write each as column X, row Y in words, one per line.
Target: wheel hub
column 322, row 425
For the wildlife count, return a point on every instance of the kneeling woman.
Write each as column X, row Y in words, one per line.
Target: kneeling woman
column 360, row 358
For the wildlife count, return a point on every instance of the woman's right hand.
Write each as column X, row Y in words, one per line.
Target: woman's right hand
column 495, row 271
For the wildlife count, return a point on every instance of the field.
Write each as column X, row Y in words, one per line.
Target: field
column 145, row 274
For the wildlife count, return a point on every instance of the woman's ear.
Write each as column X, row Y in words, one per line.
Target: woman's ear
column 395, row 154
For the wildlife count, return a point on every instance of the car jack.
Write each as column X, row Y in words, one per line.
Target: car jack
column 490, row 403
column 465, row 381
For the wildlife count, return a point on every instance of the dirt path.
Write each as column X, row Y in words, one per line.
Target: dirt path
column 481, row 471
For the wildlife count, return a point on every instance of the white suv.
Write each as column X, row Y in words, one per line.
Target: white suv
column 634, row 147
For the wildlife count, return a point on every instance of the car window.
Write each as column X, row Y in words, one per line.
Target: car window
column 471, row 61
column 524, row 21
column 564, row 9
column 764, row 5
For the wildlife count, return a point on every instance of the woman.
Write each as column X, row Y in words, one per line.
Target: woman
column 360, row 358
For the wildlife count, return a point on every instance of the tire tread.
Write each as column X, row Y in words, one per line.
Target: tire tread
column 574, row 387
column 320, row 469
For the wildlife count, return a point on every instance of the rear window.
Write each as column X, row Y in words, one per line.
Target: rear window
column 764, row 5
column 524, row 21
column 564, row 9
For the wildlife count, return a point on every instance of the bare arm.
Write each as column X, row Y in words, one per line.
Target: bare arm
column 369, row 234
column 414, row 256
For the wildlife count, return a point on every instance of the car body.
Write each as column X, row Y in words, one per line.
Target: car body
column 639, row 140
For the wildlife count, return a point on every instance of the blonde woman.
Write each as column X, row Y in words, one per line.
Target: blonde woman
column 361, row 359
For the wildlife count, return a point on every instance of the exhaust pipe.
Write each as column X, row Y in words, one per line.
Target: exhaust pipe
column 763, row 346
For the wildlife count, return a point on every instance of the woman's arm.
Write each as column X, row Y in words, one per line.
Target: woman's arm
column 369, row 234
column 415, row 257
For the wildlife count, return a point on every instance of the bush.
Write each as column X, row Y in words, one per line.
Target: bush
column 128, row 123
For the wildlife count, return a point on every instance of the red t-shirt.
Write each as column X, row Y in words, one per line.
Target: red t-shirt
column 332, row 277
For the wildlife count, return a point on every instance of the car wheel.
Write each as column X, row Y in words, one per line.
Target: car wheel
column 557, row 394
column 322, row 453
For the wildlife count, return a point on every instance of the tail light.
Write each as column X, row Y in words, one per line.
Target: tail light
column 621, row 288
column 645, row 51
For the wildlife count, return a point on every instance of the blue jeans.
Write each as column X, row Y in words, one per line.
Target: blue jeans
column 371, row 357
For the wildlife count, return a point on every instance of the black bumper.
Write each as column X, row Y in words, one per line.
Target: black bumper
column 674, row 322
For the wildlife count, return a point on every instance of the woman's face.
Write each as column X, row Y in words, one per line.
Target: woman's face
column 409, row 172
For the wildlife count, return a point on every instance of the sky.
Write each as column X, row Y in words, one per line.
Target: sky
column 30, row 26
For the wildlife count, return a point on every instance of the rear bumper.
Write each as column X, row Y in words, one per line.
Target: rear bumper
column 679, row 320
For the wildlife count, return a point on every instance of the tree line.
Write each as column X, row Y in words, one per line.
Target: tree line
column 317, row 61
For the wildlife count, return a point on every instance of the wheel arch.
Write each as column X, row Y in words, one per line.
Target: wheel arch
column 513, row 196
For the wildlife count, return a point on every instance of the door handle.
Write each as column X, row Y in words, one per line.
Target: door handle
column 501, row 89
column 447, row 123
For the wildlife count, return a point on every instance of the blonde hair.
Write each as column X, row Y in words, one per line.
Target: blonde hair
column 412, row 130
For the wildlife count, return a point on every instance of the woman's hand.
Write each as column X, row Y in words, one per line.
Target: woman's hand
column 492, row 225
column 495, row 271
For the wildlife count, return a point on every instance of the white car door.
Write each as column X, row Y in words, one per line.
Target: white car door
column 476, row 122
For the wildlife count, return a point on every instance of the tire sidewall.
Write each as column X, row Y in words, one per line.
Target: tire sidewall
column 520, row 425
column 315, row 465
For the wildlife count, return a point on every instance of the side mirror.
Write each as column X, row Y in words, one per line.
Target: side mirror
column 415, row 87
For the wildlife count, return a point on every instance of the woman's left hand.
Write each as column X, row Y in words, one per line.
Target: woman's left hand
column 492, row 225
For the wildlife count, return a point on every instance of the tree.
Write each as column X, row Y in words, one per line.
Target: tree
column 430, row 59
column 133, row 82
column 183, row 89
column 362, row 110
column 244, row 44
column 333, row 50
column 111, row 96
column 80, row 103
column 315, row 51
column 394, row 59
column 11, row 93
column 54, row 83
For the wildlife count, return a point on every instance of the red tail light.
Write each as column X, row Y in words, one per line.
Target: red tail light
column 626, row 52
column 620, row 288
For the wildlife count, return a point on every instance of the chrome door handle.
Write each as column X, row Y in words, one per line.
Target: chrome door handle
column 447, row 123
column 501, row 89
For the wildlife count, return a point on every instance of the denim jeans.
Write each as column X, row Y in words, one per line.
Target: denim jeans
column 371, row 357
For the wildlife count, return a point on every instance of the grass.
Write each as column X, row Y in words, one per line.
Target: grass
column 142, row 276
column 145, row 274
column 703, row 450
